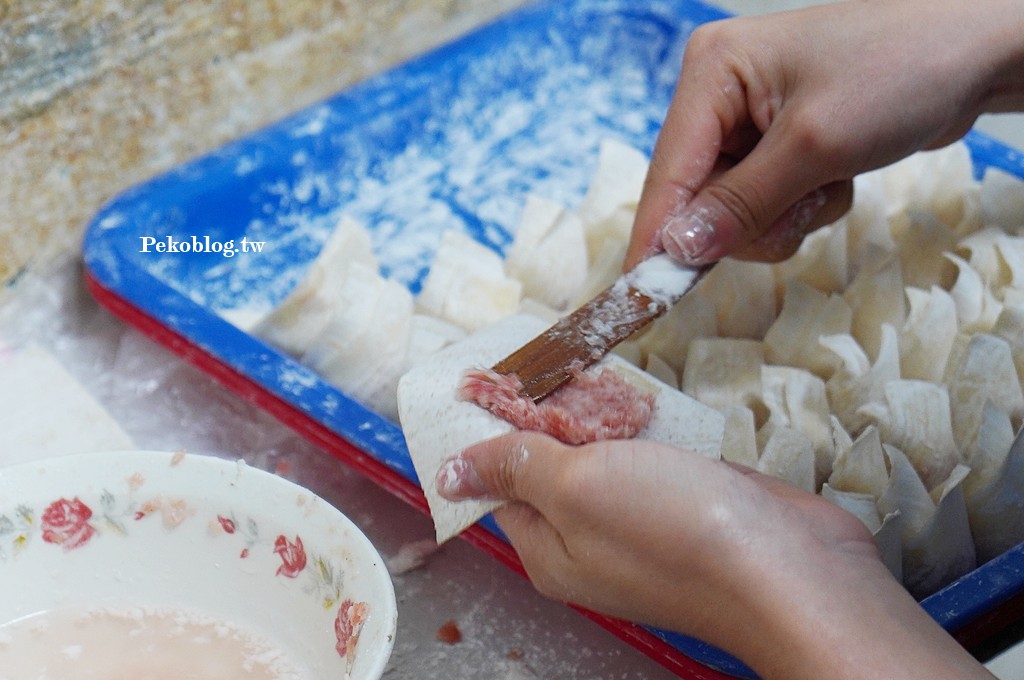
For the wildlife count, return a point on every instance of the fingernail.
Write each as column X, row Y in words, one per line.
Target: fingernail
column 689, row 236
column 457, row 479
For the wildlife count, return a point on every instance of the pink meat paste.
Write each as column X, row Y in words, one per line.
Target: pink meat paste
column 588, row 408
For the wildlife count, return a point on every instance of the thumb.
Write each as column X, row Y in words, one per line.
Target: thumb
column 512, row 467
column 775, row 188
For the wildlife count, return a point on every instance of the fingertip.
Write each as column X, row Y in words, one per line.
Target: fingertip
column 495, row 469
column 457, row 479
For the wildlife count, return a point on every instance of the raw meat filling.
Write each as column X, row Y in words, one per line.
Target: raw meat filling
column 589, row 408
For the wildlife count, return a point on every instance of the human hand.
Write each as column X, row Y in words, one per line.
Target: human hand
column 774, row 115
column 650, row 533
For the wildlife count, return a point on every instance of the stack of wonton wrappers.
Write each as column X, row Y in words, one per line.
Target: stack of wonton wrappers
column 880, row 367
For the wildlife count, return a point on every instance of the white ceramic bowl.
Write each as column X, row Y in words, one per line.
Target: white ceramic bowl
column 151, row 529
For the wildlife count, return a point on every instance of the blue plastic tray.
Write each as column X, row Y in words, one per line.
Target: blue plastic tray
column 453, row 139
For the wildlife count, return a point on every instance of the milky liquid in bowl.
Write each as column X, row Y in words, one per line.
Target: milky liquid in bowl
column 175, row 564
column 139, row 643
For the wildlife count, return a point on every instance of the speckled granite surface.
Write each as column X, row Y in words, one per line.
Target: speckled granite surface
column 97, row 95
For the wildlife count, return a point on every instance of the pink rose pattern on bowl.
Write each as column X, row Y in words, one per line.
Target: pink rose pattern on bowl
column 66, row 523
column 72, row 524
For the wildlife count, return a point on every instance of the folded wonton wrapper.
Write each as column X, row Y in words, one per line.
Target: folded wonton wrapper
column 437, row 425
column 884, row 529
column 467, row 284
column 981, row 368
column 807, row 314
column 822, row 261
column 309, row 307
column 549, row 253
column 915, row 418
column 795, row 398
column 739, row 443
column 921, row 248
column 743, row 294
column 363, row 347
column 861, row 468
column 788, row 454
column 724, row 372
column 856, row 380
column 936, row 536
column 876, row 298
column 994, row 490
column 928, row 334
column 1002, row 199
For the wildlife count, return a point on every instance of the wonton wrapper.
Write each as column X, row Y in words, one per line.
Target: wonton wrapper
column 724, row 372
column 549, row 253
column 788, row 454
column 467, row 285
column 307, row 310
column 631, row 352
column 1002, row 199
column 934, row 181
column 539, row 309
column 617, row 181
column 739, row 443
column 885, row 530
column 605, row 268
column 1011, row 253
column 744, row 297
column 921, row 248
column 928, row 334
column 867, row 225
column 670, row 336
column 428, row 335
column 937, row 542
column 976, row 307
column 438, row 425
column 1010, row 327
column 985, row 256
column 860, row 505
column 609, row 206
column 876, row 297
column 821, row 261
column 889, row 539
column 916, row 419
column 842, row 443
column 364, row 346
column 981, row 369
column 861, row 468
column 661, row 370
column 795, row 399
column 994, row 491
column 856, row 381
column 807, row 314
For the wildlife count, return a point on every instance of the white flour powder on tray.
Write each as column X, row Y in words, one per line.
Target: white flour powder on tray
column 476, row 147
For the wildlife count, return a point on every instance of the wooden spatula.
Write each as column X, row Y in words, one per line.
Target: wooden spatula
column 583, row 337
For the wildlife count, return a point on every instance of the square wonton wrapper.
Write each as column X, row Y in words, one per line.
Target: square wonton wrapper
column 438, row 425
